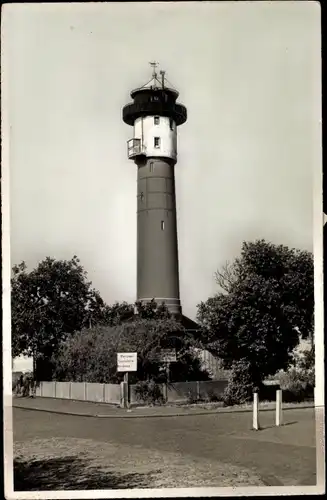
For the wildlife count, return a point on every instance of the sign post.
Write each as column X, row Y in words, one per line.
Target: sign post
column 167, row 356
column 126, row 362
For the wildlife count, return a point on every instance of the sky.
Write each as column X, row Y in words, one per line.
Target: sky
column 248, row 73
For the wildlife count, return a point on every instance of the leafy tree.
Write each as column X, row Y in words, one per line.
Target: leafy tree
column 91, row 355
column 266, row 299
column 151, row 310
column 48, row 303
column 226, row 276
column 114, row 314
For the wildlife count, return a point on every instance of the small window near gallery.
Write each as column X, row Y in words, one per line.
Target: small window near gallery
column 156, row 120
column 171, row 123
column 162, row 225
column 151, row 166
column 157, row 142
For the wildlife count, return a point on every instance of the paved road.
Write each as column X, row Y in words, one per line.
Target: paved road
column 281, row 456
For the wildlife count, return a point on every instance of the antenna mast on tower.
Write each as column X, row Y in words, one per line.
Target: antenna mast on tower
column 162, row 73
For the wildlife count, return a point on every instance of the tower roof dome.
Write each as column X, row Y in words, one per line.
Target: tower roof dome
column 156, row 97
column 156, row 84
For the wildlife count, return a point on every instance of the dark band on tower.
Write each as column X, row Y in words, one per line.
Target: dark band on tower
column 155, row 116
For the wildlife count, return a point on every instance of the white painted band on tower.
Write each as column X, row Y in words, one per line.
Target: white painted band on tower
column 157, row 136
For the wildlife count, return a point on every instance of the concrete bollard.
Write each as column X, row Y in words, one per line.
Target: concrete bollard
column 255, row 411
column 279, row 409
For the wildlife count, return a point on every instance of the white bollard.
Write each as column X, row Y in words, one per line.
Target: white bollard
column 255, row 411
column 279, row 414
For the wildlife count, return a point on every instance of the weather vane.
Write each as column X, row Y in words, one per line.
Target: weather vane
column 154, row 64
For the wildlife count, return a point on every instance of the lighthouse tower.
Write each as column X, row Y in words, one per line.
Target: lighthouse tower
column 155, row 116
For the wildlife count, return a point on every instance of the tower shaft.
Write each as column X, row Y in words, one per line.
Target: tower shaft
column 157, row 247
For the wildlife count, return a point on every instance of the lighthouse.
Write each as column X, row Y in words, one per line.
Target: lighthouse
column 155, row 117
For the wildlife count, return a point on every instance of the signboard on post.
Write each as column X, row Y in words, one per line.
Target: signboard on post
column 127, row 362
column 167, row 355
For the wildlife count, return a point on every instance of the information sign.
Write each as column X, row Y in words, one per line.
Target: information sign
column 127, row 361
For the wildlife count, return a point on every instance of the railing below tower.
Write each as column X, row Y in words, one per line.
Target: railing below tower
column 134, row 148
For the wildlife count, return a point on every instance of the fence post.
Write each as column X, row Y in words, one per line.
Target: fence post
column 197, row 390
column 70, row 390
column 84, row 391
column 165, row 391
column 104, row 393
column 167, row 380
column 279, row 414
column 255, row 411
column 55, row 389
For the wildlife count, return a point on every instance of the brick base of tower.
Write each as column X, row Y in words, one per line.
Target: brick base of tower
column 157, row 247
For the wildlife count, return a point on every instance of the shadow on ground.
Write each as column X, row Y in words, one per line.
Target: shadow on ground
column 72, row 473
column 274, row 426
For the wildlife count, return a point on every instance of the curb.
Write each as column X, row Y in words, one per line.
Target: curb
column 208, row 412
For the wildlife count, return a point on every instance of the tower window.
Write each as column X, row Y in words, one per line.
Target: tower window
column 157, row 142
column 171, row 123
column 162, row 225
column 151, row 166
column 156, row 120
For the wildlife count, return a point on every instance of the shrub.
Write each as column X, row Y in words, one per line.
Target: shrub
column 240, row 386
column 191, row 398
column 149, row 392
column 305, row 365
column 212, row 397
column 296, row 385
column 298, row 381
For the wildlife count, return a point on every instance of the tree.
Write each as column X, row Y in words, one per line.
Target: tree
column 151, row 310
column 48, row 303
column 226, row 276
column 91, row 355
column 267, row 299
column 114, row 314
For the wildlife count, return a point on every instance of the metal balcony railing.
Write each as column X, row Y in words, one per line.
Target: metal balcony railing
column 134, row 148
